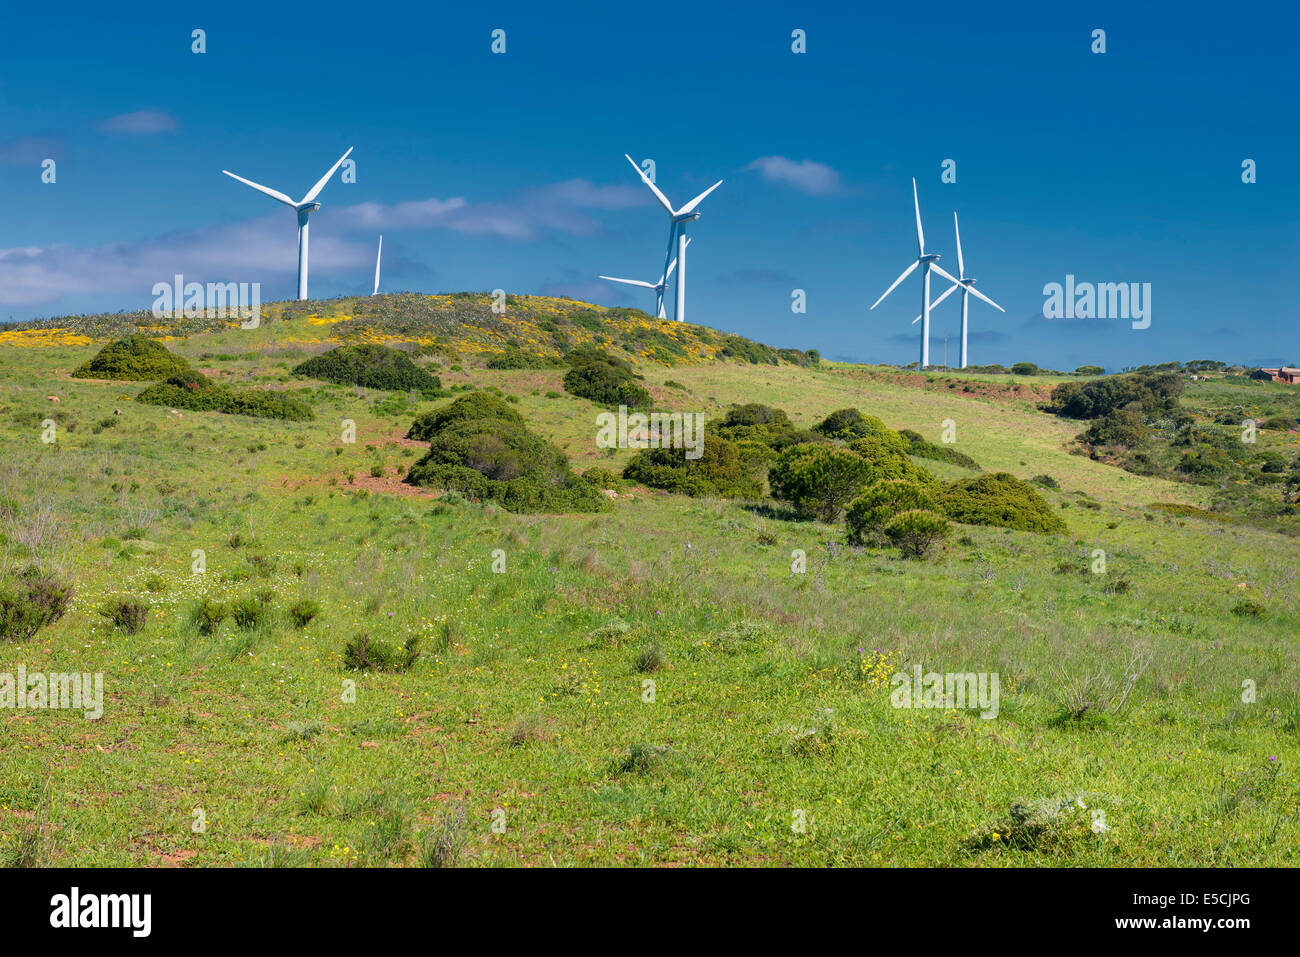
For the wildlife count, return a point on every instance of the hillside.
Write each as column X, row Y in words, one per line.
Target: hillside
column 503, row 675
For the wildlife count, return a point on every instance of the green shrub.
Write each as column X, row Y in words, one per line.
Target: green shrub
column 1024, row 368
column 1154, row 391
column 194, row 391
column 848, row 424
column 29, row 603
column 480, row 447
column 603, row 478
column 371, row 366
column 916, row 531
column 819, row 480
column 1001, row 500
column 518, row 359
column 754, row 422
column 606, row 382
column 868, row 515
column 127, row 614
column 209, row 614
column 923, row 448
column 135, row 357
column 1117, row 427
column 719, row 471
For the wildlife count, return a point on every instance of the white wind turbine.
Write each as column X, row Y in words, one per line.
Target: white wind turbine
column 927, row 263
column 658, row 287
column 967, row 285
column 304, row 208
column 379, row 255
column 677, row 230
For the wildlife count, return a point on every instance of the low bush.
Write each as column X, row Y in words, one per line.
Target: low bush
column 606, row 381
column 30, row 602
column 135, row 357
column 923, row 448
column 248, row 613
column 363, row 653
column 819, row 480
column 719, row 470
column 1000, row 500
column 371, row 366
column 303, row 611
column 480, row 447
column 868, row 514
column 916, row 531
column 126, row 614
column 209, row 614
column 194, row 391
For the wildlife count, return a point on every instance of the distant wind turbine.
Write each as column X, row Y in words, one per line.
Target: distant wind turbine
column 678, row 219
column 658, row 287
column 379, row 255
column 967, row 285
column 927, row 263
column 304, row 208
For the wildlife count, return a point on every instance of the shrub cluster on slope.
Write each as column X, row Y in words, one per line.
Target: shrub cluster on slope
column 923, row 448
column 869, row 514
column 754, row 422
column 479, row 446
column 1001, row 500
column 720, row 470
column 604, row 379
column 193, row 390
column 1152, row 391
column 370, row 366
column 135, row 357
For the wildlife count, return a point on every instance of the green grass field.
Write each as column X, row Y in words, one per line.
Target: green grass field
column 653, row 685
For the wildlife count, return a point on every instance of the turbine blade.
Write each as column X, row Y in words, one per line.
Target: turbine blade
column 378, row 256
column 263, row 189
column 696, row 201
column 961, row 266
column 920, row 233
column 976, row 292
column 934, row 302
column 320, row 183
column 653, row 188
column 631, row 282
column 906, row 272
column 946, row 275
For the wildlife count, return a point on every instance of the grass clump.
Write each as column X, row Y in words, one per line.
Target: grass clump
column 136, row 357
column 209, row 614
column 303, row 611
column 363, row 653
column 371, row 366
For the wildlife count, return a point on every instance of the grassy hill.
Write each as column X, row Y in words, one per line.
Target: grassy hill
column 528, row 704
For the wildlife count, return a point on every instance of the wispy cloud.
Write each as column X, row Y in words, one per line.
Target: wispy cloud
column 264, row 249
column 807, row 176
column 559, row 207
column 30, row 150
column 140, row 122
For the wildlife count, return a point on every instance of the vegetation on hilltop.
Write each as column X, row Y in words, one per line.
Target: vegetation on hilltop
column 135, row 357
column 193, row 390
column 371, row 366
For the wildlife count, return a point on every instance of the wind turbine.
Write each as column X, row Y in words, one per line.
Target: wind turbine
column 658, row 287
column 678, row 219
column 927, row 263
column 379, row 255
column 967, row 285
column 304, row 208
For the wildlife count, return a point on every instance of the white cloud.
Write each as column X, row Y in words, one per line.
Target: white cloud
column 141, row 121
column 807, row 176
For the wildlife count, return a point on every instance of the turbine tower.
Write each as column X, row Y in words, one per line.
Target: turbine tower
column 927, row 263
column 678, row 218
column 967, row 285
column 379, row 255
column 658, row 287
column 304, row 208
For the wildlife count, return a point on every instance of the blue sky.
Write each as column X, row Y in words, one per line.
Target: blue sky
column 486, row 171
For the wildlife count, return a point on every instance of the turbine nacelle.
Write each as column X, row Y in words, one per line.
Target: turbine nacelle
column 929, row 258
column 308, row 207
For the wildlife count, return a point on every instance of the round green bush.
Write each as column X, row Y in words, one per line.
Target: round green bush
column 818, row 480
column 916, row 531
column 371, row 366
column 135, row 357
column 1000, row 500
column 868, row 514
column 606, row 383
column 720, row 470
column 476, row 405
